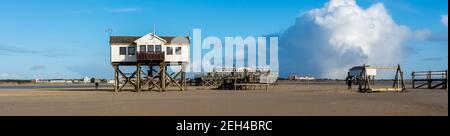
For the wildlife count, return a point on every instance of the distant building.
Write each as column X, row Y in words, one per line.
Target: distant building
column 41, row 81
column 59, row 81
column 110, row 81
column 62, row 81
column 296, row 77
column 307, row 78
column 87, row 80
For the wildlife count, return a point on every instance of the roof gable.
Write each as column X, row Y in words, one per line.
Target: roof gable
column 150, row 38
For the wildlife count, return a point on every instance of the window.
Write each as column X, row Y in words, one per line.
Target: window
column 178, row 50
column 169, row 51
column 123, row 51
column 158, row 48
column 143, row 48
column 151, row 48
column 131, row 50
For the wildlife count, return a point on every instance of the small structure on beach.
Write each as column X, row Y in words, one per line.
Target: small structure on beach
column 154, row 52
column 239, row 78
column 355, row 73
column 41, row 81
column 364, row 76
column 300, row 78
column 358, row 70
column 430, row 79
column 87, row 80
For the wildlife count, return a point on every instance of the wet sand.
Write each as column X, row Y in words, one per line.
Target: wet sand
column 287, row 99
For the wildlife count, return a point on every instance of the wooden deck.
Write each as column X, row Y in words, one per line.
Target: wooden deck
column 150, row 56
column 430, row 79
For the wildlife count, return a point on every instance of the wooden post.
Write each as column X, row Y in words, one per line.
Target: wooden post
column 396, row 78
column 446, row 80
column 402, row 79
column 413, row 75
column 138, row 78
column 360, row 82
column 163, row 76
column 429, row 79
column 116, row 78
column 150, row 73
column 369, row 86
column 183, row 77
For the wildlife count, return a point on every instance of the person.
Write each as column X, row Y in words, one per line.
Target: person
column 96, row 85
column 349, row 82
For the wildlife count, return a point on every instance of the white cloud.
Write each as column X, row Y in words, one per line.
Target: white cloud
column 331, row 39
column 444, row 20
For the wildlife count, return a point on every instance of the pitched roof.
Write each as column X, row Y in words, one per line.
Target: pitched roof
column 360, row 67
column 123, row 39
column 131, row 39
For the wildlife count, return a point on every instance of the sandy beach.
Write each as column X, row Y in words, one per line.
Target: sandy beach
column 286, row 99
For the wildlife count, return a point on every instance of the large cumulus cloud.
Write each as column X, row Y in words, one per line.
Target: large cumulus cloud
column 444, row 20
column 325, row 42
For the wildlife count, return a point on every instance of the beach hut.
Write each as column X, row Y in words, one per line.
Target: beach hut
column 152, row 51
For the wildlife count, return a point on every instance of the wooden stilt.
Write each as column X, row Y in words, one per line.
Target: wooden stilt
column 430, row 81
column 413, row 80
column 152, row 78
column 397, row 72
column 163, row 76
column 183, row 77
column 138, row 77
column 116, row 78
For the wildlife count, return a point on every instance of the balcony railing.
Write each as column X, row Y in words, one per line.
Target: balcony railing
column 150, row 56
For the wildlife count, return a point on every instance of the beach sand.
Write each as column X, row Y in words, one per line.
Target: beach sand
column 286, row 99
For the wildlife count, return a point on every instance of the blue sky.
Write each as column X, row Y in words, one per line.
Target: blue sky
column 67, row 39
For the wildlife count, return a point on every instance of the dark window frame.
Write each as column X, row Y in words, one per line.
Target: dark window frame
column 178, row 51
column 150, row 48
column 131, row 51
column 122, row 50
column 158, row 48
column 169, row 50
column 142, row 48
